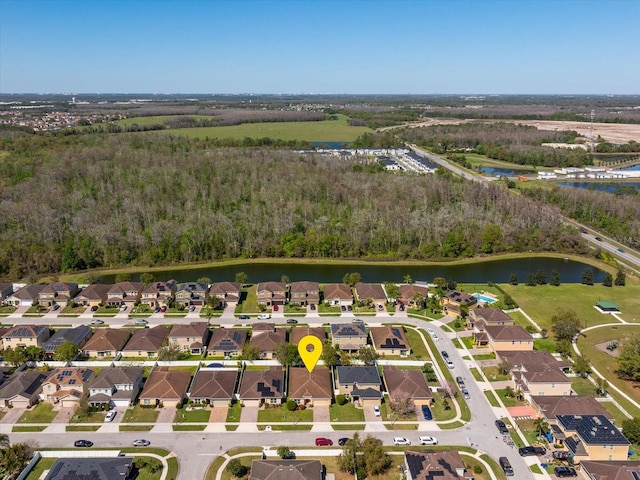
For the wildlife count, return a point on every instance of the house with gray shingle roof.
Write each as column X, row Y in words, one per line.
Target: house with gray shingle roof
column 78, row 335
column 350, row 337
column 124, row 293
column 112, row 468
column 214, row 387
column 58, row 293
column 146, row 342
column 226, row 342
column 25, row 296
column 262, row 386
column 22, row 389
column 304, row 293
column 361, row 383
column 431, row 465
column 116, row 386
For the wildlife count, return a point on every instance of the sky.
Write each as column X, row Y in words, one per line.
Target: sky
column 320, row 47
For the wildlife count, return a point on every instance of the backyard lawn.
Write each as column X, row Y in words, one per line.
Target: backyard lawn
column 41, row 413
column 138, row 414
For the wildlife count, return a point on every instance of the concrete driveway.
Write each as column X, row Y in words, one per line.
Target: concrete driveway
column 12, row 415
column 248, row 419
column 321, row 413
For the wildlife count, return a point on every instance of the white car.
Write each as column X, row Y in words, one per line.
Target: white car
column 376, row 410
column 110, row 416
column 428, row 440
column 123, row 308
column 401, row 441
column 264, row 316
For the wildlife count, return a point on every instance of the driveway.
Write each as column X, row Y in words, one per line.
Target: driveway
column 248, row 419
column 167, row 414
column 321, row 414
column 218, row 415
column 64, row 415
column 13, row 414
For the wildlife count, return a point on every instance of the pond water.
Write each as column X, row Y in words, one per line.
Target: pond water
column 609, row 187
column 503, row 172
column 498, row 271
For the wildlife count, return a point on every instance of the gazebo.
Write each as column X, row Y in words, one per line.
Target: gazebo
column 607, row 307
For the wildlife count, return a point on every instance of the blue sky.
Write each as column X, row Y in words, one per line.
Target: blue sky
column 314, row 46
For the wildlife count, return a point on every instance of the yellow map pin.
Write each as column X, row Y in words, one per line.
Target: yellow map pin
column 310, row 349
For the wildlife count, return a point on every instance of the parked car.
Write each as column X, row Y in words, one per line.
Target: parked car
column 123, row 308
column 215, row 365
column 141, row 443
column 313, row 307
column 598, row 239
column 343, row 308
column 264, row 316
column 530, row 451
column 460, row 382
column 323, row 442
column 563, row 472
column 343, row 441
column 561, row 454
column 449, row 363
column 506, row 466
column 350, row 308
column 426, row 412
column 292, row 321
column 621, row 250
column 83, row 443
column 163, row 309
column 141, row 321
column 430, row 330
column 275, row 308
column 244, row 317
column 444, row 354
column 192, row 308
column 402, row 308
column 428, row 440
column 401, row 441
column 380, row 306
column 357, row 320
column 94, row 308
column 55, row 307
column 465, row 394
column 376, row 410
column 97, row 321
column 502, row 427
column 110, row 416
column 156, row 310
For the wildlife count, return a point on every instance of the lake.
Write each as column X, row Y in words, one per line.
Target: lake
column 498, row 271
column 503, row 172
column 609, row 187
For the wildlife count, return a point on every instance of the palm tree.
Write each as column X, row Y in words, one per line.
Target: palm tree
column 408, row 279
column 4, row 441
column 540, row 425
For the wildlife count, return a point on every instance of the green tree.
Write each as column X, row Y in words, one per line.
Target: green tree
column 555, row 278
column 541, row 277
column 587, row 277
column 205, row 280
column 375, row 458
column 582, row 366
column 250, row 352
column 408, row 279
column 237, row 469
column 214, row 302
column 565, row 324
column 242, row 278
column 330, row 354
column 541, row 425
column 393, row 292
column 33, row 353
column 629, row 359
column 464, row 310
column 492, row 239
column 440, row 283
column 621, row 279
column 351, row 459
column 352, row 278
column 367, row 355
column 402, row 405
column 287, row 354
column 531, row 280
column 123, row 277
column 170, row 352
column 631, row 428
column 4, row 441
column 429, row 372
column 147, row 278
column 66, row 352
column 433, row 302
column 291, row 405
column 285, row 279
column 513, row 279
column 15, row 356
column 607, row 281
column 284, row 452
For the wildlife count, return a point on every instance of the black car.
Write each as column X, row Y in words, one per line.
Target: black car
column 502, row 428
column 529, row 451
column 342, row 441
column 83, row 443
column 565, row 472
column 343, row 308
column 292, row 320
column 402, row 308
column 444, row 354
column 349, row 308
column 244, row 317
column 313, row 307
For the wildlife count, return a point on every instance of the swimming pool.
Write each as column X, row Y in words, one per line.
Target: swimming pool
column 484, row 298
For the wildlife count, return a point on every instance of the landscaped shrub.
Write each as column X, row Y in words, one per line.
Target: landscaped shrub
column 341, row 399
column 477, row 469
column 291, row 405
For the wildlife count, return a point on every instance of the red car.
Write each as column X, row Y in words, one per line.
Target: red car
column 323, row 442
column 163, row 309
column 275, row 308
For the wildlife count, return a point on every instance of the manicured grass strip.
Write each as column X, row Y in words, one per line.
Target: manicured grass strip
column 26, row 428
column 476, row 374
column 615, row 411
column 136, row 428
column 234, row 412
column 286, row 427
column 450, row 426
column 188, row 428
column 491, row 398
column 349, row 426
column 346, row 413
column 418, row 348
column 82, row 428
column 196, row 416
column 281, row 414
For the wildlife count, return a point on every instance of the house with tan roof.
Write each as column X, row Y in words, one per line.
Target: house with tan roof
column 124, row 293
column 390, row 340
column 401, row 383
column 287, row 470
column 25, row 296
column 165, row 387
column 502, row 337
column 272, row 293
column 157, row 294
column 373, row 291
column 304, row 293
column 226, row 342
column 350, row 337
column 106, row 342
column 262, row 386
column 146, row 342
column 26, row 336
column 213, row 387
column 431, row 465
column 93, row 295
column 611, row 470
column 488, row 317
column 298, row 332
column 549, row 407
column 338, row 294
column 22, row 389
column 191, row 337
column 313, row 387
column 266, row 341
column 360, row 383
column 410, row 291
column 116, row 386
column 67, row 386
column 536, row 372
column 58, row 293
column 226, row 292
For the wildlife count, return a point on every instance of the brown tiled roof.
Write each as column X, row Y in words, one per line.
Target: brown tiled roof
column 370, row 290
column 166, row 384
column 286, row 470
column 551, row 406
column 123, row 287
column 305, row 286
column 505, row 333
column 337, row 290
column 535, row 357
column 70, row 376
column 609, row 469
column 214, row 384
column 220, row 288
column 161, row 288
column 147, row 339
column 388, row 336
column 298, row 332
column 191, row 330
column 314, row 385
column 107, row 339
column 227, row 338
column 94, row 292
column 267, row 341
column 262, row 384
column 411, row 382
column 429, row 465
column 491, row 315
column 271, row 287
column 263, row 327
column 65, row 287
column 407, row 291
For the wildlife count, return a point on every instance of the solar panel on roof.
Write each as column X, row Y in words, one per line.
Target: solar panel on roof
column 635, row 475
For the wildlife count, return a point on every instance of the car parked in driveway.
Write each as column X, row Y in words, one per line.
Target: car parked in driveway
column 163, row 309
column 83, row 443
column 94, row 308
column 426, row 412
column 401, row 441
column 376, row 410
column 563, row 472
column 275, row 308
column 502, row 427
column 123, row 308
column 313, row 307
column 323, row 442
column 110, row 416
column 141, row 442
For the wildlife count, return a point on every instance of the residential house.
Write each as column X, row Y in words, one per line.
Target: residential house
column 95, row 468
column 124, row 293
column 304, row 293
column 536, row 372
column 78, row 335
column 297, row 333
column 286, row 470
column 593, row 437
column 106, row 342
column 441, row 464
column 116, row 386
column 22, row 389
column 453, row 299
column 403, row 383
column 494, row 317
column 338, row 294
column 502, row 338
column 58, row 293
column 370, row 291
column 262, row 386
column 6, row 290
column 272, row 293
column 227, row 292
column 267, row 340
column 409, row 292
column 191, row 338
column 146, row 342
column 26, row 336
column 226, row 342
column 3, row 330
column 549, row 407
column 360, row 383
column 214, row 387
column 390, row 340
column 191, row 293
column 94, row 295
column 310, row 388
column 158, row 294
column 606, row 470
column 67, row 386
column 165, row 387
column 25, row 296
column 350, row 337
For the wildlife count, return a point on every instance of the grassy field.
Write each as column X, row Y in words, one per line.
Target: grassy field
column 156, row 119
column 41, row 413
column 418, row 348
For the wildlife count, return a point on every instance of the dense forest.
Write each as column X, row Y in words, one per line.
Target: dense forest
column 88, row 201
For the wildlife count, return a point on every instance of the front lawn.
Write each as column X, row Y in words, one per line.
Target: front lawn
column 324, row 308
column 41, row 413
column 281, row 414
column 89, row 417
column 509, row 401
column 234, row 412
column 418, row 348
column 346, row 413
column 493, row 374
column 195, row 416
column 138, row 414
